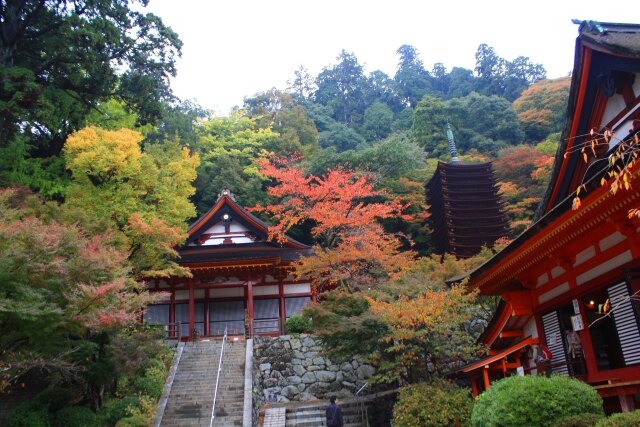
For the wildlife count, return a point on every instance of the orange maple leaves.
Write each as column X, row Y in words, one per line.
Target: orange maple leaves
column 345, row 208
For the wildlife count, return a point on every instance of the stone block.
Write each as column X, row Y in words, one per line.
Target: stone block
column 319, row 361
column 299, row 369
column 309, row 378
column 365, row 371
column 295, row 380
column 265, row 367
column 326, row 376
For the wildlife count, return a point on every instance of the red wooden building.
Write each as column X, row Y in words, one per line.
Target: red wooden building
column 241, row 281
column 570, row 283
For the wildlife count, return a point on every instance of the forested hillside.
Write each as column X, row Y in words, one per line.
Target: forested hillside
column 393, row 126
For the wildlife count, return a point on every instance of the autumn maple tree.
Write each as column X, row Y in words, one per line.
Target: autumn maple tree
column 143, row 194
column 344, row 208
column 64, row 279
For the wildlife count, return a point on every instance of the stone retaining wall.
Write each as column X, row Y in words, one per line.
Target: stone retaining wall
column 293, row 368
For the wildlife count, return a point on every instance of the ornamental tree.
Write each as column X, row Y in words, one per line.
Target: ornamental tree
column 344, row 208
column 143, row 194
column 64, row 279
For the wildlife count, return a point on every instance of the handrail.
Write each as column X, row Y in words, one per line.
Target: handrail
column 215, row 393
column 363, row 408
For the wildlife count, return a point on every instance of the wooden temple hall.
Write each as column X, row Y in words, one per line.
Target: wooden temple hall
column 570, row 284
column 466, row 211
column 241, row 281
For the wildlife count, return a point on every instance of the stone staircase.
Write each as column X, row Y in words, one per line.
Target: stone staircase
column 190, row 400
column 312, row 414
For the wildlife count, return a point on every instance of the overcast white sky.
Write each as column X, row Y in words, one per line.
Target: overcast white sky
column 236, row 48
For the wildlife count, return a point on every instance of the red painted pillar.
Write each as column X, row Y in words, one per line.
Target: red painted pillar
column 250, row 304
column 485, row 375
column 192, row 316
column 474, row 386
column 283, row 312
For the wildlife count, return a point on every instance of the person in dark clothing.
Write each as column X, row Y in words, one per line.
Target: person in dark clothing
column 334, row 413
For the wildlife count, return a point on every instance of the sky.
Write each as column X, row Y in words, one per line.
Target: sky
column 236, row 48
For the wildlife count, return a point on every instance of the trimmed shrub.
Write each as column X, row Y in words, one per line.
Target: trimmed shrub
column 29, row 416
column 55, row 398
column 584, row 420
column 150, row 386
column 75, row 416
column 136, row 421
column 440, row 403
column 298, row 325
column 534, row 401
column 625, row 419
column 121, row 408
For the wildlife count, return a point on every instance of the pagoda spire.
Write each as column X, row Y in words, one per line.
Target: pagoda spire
column 452, row 144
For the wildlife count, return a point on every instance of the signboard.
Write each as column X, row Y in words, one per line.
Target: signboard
column 576, row 321
column 576, row 306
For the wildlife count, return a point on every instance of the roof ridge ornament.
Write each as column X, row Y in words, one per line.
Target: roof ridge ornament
column 452, row 144
column 228, row 193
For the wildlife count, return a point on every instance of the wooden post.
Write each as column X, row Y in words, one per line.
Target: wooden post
column 192, row 314
column 474, row 386
column 627, row 402
column 249, row 290
column 485, row 376
column 283, row 312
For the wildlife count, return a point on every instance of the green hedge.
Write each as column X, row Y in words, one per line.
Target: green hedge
column 440, row 403
column 582, row 420
column 136, row 421
column 298, row 325
column 626, row 419
column 29, row 416
column 534, row 401
column 75, row 416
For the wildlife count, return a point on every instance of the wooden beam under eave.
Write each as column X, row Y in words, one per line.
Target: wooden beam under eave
column 511, row 334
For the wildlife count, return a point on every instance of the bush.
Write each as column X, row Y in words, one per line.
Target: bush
column 29, row 416
column 55, row 398
column 584, row 420
column 121, row 408
column 534, row 401
column 136, row 421
column 626, row 419
column 150, row 386
column 440, row 403
column 298, row 325
column 75, row 416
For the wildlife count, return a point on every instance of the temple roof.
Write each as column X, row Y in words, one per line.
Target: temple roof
column 600, row 48
column 229, row 234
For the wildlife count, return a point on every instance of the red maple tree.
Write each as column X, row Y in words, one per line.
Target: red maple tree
column 345, row 209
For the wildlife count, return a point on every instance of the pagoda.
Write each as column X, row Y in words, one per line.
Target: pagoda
column 466, row 211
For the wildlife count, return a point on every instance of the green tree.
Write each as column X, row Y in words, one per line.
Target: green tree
column 229, row 148
column 497, row 76
column 378, row 119
column 279, row 111
column 301, row 85
column 144, row 194
column 60, row 58
column 429, row 126
column 411, row 77
column 380, row 87
column 484, row 122
column 341, row 88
